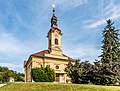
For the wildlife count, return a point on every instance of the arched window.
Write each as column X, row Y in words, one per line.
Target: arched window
column 56, row 41
column 50, row 42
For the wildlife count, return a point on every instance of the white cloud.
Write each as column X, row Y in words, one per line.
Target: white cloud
column 96, row 24
column 10, row 45
column 84, row 52
column 11, row 66
column 112, row 11
column 69, row 3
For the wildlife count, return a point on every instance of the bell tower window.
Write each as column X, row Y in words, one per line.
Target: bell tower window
column 50, row 42
column 56, row 41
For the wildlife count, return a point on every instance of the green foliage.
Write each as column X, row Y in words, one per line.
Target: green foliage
column 1, row 78
column 107, row 74
column 3, row 69
column 19, row 77
column 79, row 71
column 111, row 45
column 6, row 74
column 5, row 77
column 97, row 73
column 10, row 73
column 43, row 74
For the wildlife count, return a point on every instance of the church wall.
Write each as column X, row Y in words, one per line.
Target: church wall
column 62, row 65
column 32, row 63
column 25, row 71
column 56, row 62
column 37, row 62
column 28, row 72
column 56, row 56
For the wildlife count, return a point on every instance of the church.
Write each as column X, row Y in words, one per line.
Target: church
column 53, row 56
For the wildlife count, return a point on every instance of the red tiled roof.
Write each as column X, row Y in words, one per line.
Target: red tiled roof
column 40, row 53
column 25, row 63
column 70, row 59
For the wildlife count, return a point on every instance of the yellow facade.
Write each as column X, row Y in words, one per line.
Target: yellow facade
column 53, row 56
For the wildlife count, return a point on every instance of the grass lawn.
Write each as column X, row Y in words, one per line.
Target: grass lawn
column 56, row 87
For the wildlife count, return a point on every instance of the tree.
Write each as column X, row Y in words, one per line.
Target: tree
column 111, row 46
column 80, row 72
column 5, row 77
column 10, row 73
column 104, row 72
column 108, row 74
column 43, row 74
column 6, row 74
column 18, row 76
column 1, row 78
column 97, row 73
column 3, row 69
column 69, row 68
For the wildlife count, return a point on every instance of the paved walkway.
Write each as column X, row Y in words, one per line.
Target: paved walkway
column 2, row 85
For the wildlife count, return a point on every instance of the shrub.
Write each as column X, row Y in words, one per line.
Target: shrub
column 43, row 74
column 1, row 78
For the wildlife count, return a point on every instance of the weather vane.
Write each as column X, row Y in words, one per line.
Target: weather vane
column 53, row 5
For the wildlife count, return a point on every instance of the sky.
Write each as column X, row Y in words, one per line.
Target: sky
column 24, row 25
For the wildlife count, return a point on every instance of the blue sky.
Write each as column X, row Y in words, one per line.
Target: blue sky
column 24, row 25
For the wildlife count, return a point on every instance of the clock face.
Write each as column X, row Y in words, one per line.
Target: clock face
column 56, row 35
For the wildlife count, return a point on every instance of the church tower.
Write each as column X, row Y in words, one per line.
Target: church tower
column 54, row 37
column 52, row 57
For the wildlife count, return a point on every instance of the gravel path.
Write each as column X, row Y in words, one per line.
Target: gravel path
column 2, row 85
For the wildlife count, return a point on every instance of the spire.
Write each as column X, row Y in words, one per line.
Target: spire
column 53, row 5
column 53, row 11
column 54, row 18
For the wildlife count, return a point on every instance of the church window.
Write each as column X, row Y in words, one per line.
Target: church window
column 56, row 41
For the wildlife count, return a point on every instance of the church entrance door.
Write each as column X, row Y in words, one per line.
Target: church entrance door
column 57, row 77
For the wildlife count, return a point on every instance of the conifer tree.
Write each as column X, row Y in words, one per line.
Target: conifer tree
column 111, row 46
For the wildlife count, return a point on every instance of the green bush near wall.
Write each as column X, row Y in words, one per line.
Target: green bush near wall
column 43, row 74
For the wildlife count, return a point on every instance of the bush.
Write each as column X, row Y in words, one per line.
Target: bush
column 1, row 78
column 43, row 74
